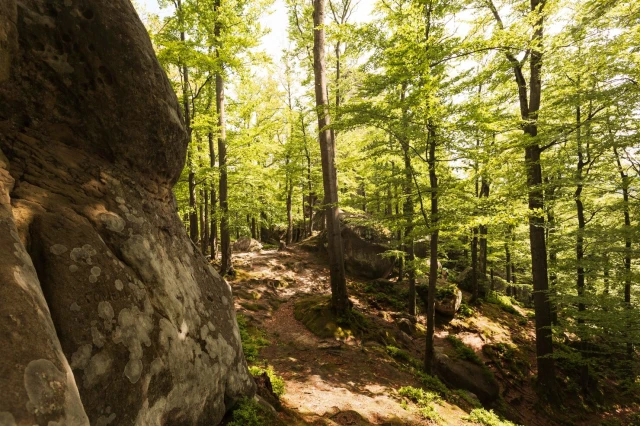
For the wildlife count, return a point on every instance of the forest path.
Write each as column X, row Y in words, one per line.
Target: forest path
column 328, row 382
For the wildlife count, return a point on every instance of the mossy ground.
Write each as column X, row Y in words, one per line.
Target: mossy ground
column 316, row 314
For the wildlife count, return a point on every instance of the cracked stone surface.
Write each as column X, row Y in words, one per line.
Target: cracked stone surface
column 109, row 314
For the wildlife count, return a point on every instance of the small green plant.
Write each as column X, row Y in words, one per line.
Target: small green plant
column 487, row 418
column 402, row 355
column 466, row 397
column 414, row 366
column 504, row 302
column 446, row 291
column 424, row 400
column 463, row 351
column 430, row 413
column 277, row 382
column 419, row 396
column 465, row 310
column 249, row 413
column 252, row 339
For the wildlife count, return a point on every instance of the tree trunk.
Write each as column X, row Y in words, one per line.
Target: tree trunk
column 529, row 113
column 202, row 239
column 225, row 237
column 484, row 192
column 474, row 266
column 253, row 228
column 339, row 298
column 213, row 239
column 433, row 255
column 408, row 214
column 581, row 221
column 311, row 195
column 289, row 211
column 627, row 242
column 193, row 208
column 193, row 214
column 553, row 256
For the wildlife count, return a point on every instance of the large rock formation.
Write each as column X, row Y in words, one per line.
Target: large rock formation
column 109, row 314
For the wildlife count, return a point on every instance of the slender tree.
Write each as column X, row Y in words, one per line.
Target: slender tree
column 339, row 298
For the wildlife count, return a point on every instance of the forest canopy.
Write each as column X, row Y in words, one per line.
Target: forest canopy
column 502, row 133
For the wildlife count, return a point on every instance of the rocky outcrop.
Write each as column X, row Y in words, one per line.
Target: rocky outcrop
column 448, row 297
column 462, row 374
column 246, row 244
column 363, row 247
column 109, row 314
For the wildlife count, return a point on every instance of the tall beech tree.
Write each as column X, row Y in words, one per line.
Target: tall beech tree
column 529, row 98
column 339, row 297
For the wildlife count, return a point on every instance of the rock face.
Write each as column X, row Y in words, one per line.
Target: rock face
column 448, row 301
column 246, row 244
column 448, row 297
column 363, row 247
column 461, row 374
column 109, row 314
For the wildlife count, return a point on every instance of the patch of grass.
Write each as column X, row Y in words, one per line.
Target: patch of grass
column 419, row 396
column 465, row 311
column 252, row 339
column 414, row 366
column 504, row 302
column 390, row 301
column 277, row 382
column 249, row 413
column 466, row 397
column 506, row 356
column 463, row 351
column 316, row 314
column 447, row 291
column 424, row 400
column 254, row 307
column 487, row 418
column 404, row 356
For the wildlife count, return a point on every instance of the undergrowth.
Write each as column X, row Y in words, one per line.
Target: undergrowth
column 424, row 400
column 277, row 382
column 463, row 351
column 413, row 366
column 487, row 418
column 504, row 302
column 252, row 339
column 249, row 413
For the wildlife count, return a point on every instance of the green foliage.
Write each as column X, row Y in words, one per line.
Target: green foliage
column 249, row 413
column 465, row 311
column 463, row 351
column 316, row 313
column 424, row 400
column 408, row 79
column 252, row 339
column 414, row 366
column 504, row 302
column 277, row 382
column 419, row 396
column 464, row 395
column 487, row 418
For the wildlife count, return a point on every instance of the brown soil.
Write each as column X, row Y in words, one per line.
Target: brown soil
column 355, row 382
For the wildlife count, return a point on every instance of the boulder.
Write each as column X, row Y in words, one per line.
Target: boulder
column 109, row 314
column 448, row 300
column 461, row 374
column 464, row 281
column 363, row 250
column 406, row 326
column 246, row 244
column 448, row 297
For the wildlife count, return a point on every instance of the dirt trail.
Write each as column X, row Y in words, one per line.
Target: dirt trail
column 327, row 381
